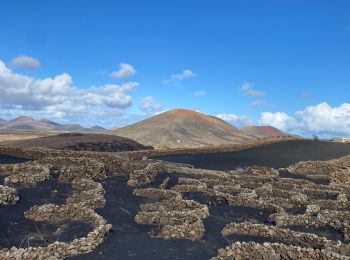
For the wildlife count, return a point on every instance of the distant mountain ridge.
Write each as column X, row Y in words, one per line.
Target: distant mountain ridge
column 263, row 131
column 26, row 123
column 183, row 128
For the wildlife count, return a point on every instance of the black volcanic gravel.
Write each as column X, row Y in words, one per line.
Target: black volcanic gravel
column 10, row 159
column 276, row 155
column 15, row 228
column 131, row 241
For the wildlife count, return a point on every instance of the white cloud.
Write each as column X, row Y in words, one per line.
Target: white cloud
column 149, row 106
column 248, row 91
column 235, row 120
column 321, row 118
column 125, row 70
column 279, row 120
column 176, row 78
column 24, row 61
column 200, row 93
column 58, row 98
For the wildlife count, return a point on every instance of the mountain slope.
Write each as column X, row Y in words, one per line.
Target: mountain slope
column 182, row 128
column 26, row 123
column 262, row 131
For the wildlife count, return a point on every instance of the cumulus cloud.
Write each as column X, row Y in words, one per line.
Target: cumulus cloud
column 24, row 61
column 200, row 93
column 321, row 118
column 235, row 120
column 149, row 106
column 57, row 97
column 176, row 78
column 248, row 90
column 279, row 120
column 125, row 70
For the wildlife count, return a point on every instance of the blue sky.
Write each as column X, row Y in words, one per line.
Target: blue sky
column 284, row 63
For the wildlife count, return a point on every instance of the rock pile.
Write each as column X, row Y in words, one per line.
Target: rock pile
column 8, row 196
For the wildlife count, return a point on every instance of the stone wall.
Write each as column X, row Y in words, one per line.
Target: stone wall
column 81, row 172
column 175, row 217
column 50, row 212
column 252, row 250
column 286, row 236
column 25, row 173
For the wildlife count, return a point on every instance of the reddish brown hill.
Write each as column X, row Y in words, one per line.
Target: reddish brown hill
column 262, row 131
column 182, row 128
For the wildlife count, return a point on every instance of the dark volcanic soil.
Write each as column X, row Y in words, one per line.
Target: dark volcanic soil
column 9, row 159
column 131, row 241
column 81, row 142
column 16, row 230
column 276, row 155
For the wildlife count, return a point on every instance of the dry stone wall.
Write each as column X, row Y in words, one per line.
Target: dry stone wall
column 290, row 202
column 179, row 218
column 252, row 250
column 317, row 205
column 81, row 172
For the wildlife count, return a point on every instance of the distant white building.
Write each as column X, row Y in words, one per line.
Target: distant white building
column 342, row 140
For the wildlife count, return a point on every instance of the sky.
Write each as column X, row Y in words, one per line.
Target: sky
column 112, row 63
